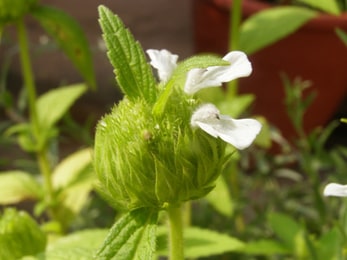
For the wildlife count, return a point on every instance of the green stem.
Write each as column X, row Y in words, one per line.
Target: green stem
column 175, row 233
column 29, row 84
column 28, row 76
column 235, row 21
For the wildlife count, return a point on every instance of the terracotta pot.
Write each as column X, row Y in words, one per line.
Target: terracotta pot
column 314, row 52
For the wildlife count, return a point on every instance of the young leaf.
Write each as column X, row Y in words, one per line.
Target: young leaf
column 70, row 37
column 220, row 198
column 79, row 245
column 131, row 237
column 285, row 228
column 52, row 105
column 342, row 35
column 201, row 242
column 330, row 7
column 265, row 247
column 20, row 235
column 133, row 73
column 75, row 179
column 269, row 26
column 16, row 186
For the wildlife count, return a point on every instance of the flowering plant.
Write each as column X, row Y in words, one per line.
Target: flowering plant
column 161, row 145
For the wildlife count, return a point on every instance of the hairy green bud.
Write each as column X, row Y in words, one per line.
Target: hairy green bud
column 145, row 161
column 11, row 10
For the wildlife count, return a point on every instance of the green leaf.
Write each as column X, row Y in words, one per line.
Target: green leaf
column 220, row 198
column 201, row 242
column 179, row 76
column 330, row 7
column 131, row 237
column 70, row 37
column 73, row 169
column 285, row 228
column 342, row 35
column 74, row 178
column 271, row 25
column 52, row 105
column 264, row 247
column 78, row 245
column 133, row 73
column 329, row 246
column 16, row 186
column 20, row 235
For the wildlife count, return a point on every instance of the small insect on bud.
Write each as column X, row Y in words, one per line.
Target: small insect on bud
column 147, row 135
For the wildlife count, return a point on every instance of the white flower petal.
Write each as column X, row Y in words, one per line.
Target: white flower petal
column 214, row 76
column 238, row 132
column 164, row 61
column 335, row 189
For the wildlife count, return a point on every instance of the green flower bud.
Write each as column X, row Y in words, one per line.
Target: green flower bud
column 144, row 161
column 11, row 10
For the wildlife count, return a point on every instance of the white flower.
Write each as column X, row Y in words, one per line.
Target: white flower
column 238, row 132
column 214, row 76
column 335, row 189
column 164, row 61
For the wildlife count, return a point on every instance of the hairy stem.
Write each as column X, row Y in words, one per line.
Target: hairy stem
column 175, row 233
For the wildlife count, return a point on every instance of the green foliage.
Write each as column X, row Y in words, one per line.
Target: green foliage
column 16, row 186
column 271, row 25
column 132, row 237
column 70, row 37
column 19, row 235
column 330, row 7
column 133, row 73
column 179, row 76
column 12, row 10
column 52, row 105
column 200, row 242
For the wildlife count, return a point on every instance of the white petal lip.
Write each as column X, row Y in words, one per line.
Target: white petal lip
column 214, row 76
column 164, row 61
column 335, row 189
column 238, row 132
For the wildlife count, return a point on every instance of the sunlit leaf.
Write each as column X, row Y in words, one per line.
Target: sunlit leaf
column 52, row 105
column 271, row 25
column 16, row 186
column 329, row 6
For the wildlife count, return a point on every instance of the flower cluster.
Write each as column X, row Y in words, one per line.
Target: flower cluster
column 240, row 133
column 147, row 159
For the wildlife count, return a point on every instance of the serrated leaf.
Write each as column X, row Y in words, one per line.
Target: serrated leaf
column 20, row 235
column 285, row 228
column 133, row 73
column 265, row 247
column 131, row 237
column 52, row 105
column 220, row 198
column 271, row 25
column 200, row 242
column 70, row 37
column 16, row 186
